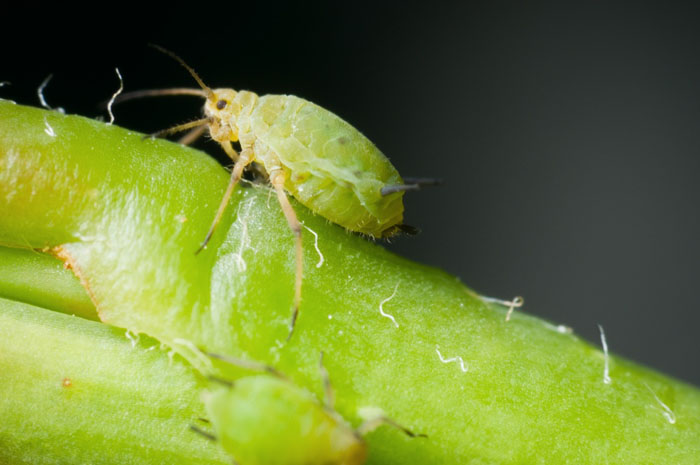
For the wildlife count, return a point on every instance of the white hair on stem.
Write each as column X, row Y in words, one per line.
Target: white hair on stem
column 48, row 129
column 517, row 302
column 40, row 94
column 132, row 337
column 114, row 96
column 381, row 306
column 604, row 343
column 194, row 350
column 462, row 365
column 668, row 413
column 318, row 251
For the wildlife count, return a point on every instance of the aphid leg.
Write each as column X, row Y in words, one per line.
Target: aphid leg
column 329, row 394
column 231, row 152
column 178, row 128
column 244, row 160
column 408, row 229
column 374, row 423
column 223, row 381
column 192, row 135
column 247, row 364
column 400, row 229
column 206, row 434
column 277, row 178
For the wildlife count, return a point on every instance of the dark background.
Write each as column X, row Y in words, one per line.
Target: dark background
column 568, row 137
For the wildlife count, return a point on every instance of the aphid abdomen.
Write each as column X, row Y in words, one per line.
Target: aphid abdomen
column 263, row 420
column 333, row 169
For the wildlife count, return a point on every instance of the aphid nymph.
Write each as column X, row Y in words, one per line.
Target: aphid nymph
column 306, row 151
column 268, row 420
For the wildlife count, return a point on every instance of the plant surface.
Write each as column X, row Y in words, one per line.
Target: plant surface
column 126, row 216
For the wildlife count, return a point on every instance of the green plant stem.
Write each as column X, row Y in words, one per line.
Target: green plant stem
column 41, row 280
column 128, row 214
column 77, row 391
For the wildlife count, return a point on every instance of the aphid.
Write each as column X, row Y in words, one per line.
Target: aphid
column 263, row 420
column 304, row 150
column 267, row 420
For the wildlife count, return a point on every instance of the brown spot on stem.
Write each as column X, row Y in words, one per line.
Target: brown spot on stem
column 66, row 383
column 69, row 263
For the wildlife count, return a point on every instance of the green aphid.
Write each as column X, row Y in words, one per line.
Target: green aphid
column 267, row 420
column 304, row 150
column 264, row 420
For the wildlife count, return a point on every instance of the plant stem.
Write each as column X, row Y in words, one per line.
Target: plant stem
column 128, row 214
column 77, row 391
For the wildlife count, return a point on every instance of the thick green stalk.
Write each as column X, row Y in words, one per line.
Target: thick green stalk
column 41, row 280
column 77, row 391
column 128, row 214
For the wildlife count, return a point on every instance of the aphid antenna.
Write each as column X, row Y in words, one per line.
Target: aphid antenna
column 208, row 92
column 137, row 94
column 200, row 431
column 247, row 364
column 374, row 423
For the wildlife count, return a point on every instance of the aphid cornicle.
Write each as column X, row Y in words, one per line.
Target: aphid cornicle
column 306, row 151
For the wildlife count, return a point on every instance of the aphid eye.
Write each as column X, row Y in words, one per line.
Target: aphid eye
column 221, row 104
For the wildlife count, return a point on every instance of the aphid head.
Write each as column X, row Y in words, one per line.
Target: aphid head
column 222, row 104
column 222, row 109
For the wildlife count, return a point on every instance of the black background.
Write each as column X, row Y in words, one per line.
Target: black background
column 567, row 136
